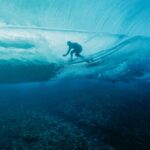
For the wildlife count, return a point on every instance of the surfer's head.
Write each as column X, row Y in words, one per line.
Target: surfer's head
column 69, row 43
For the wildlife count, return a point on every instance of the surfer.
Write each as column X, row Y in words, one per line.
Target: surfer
column 75, row 48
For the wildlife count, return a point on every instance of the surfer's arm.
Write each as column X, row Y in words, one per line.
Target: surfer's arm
column 67, row 52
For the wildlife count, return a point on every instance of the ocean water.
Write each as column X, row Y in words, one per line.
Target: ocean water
column 48, row 102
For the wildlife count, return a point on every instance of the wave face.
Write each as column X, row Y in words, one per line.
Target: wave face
column 29, row 55
column 36, row 55
column 113, row 16
column 126, row 61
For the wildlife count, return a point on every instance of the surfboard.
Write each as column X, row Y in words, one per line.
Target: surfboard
column 95, row 61
column 88, row 61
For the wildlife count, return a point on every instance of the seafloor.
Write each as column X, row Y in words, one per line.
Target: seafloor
column 75, row 115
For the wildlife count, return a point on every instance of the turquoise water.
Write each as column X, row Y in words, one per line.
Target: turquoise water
column 48, row 102
column 115, row 16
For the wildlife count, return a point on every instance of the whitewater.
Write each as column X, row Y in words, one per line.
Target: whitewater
column 34, row 54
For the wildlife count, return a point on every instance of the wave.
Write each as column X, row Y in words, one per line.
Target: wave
column 29, row 55
column 16, row 44
column 127, row 61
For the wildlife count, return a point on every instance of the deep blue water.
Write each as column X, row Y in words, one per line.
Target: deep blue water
column 75, row 113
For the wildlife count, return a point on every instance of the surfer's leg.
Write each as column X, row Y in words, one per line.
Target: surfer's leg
column 71, row 54
column 82, row 57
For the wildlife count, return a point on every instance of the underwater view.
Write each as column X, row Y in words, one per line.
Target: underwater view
column 74, row 75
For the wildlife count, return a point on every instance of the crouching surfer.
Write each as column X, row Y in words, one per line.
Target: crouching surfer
column 75, row 49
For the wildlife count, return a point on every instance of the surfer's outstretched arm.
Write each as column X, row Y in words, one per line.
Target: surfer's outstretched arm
column 67, row 52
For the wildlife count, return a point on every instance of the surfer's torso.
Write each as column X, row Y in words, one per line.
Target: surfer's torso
column 75, row 46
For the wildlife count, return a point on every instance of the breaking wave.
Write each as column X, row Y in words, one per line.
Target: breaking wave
column 29, row 55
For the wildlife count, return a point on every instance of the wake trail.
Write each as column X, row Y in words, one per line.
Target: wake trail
column 104, row 53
